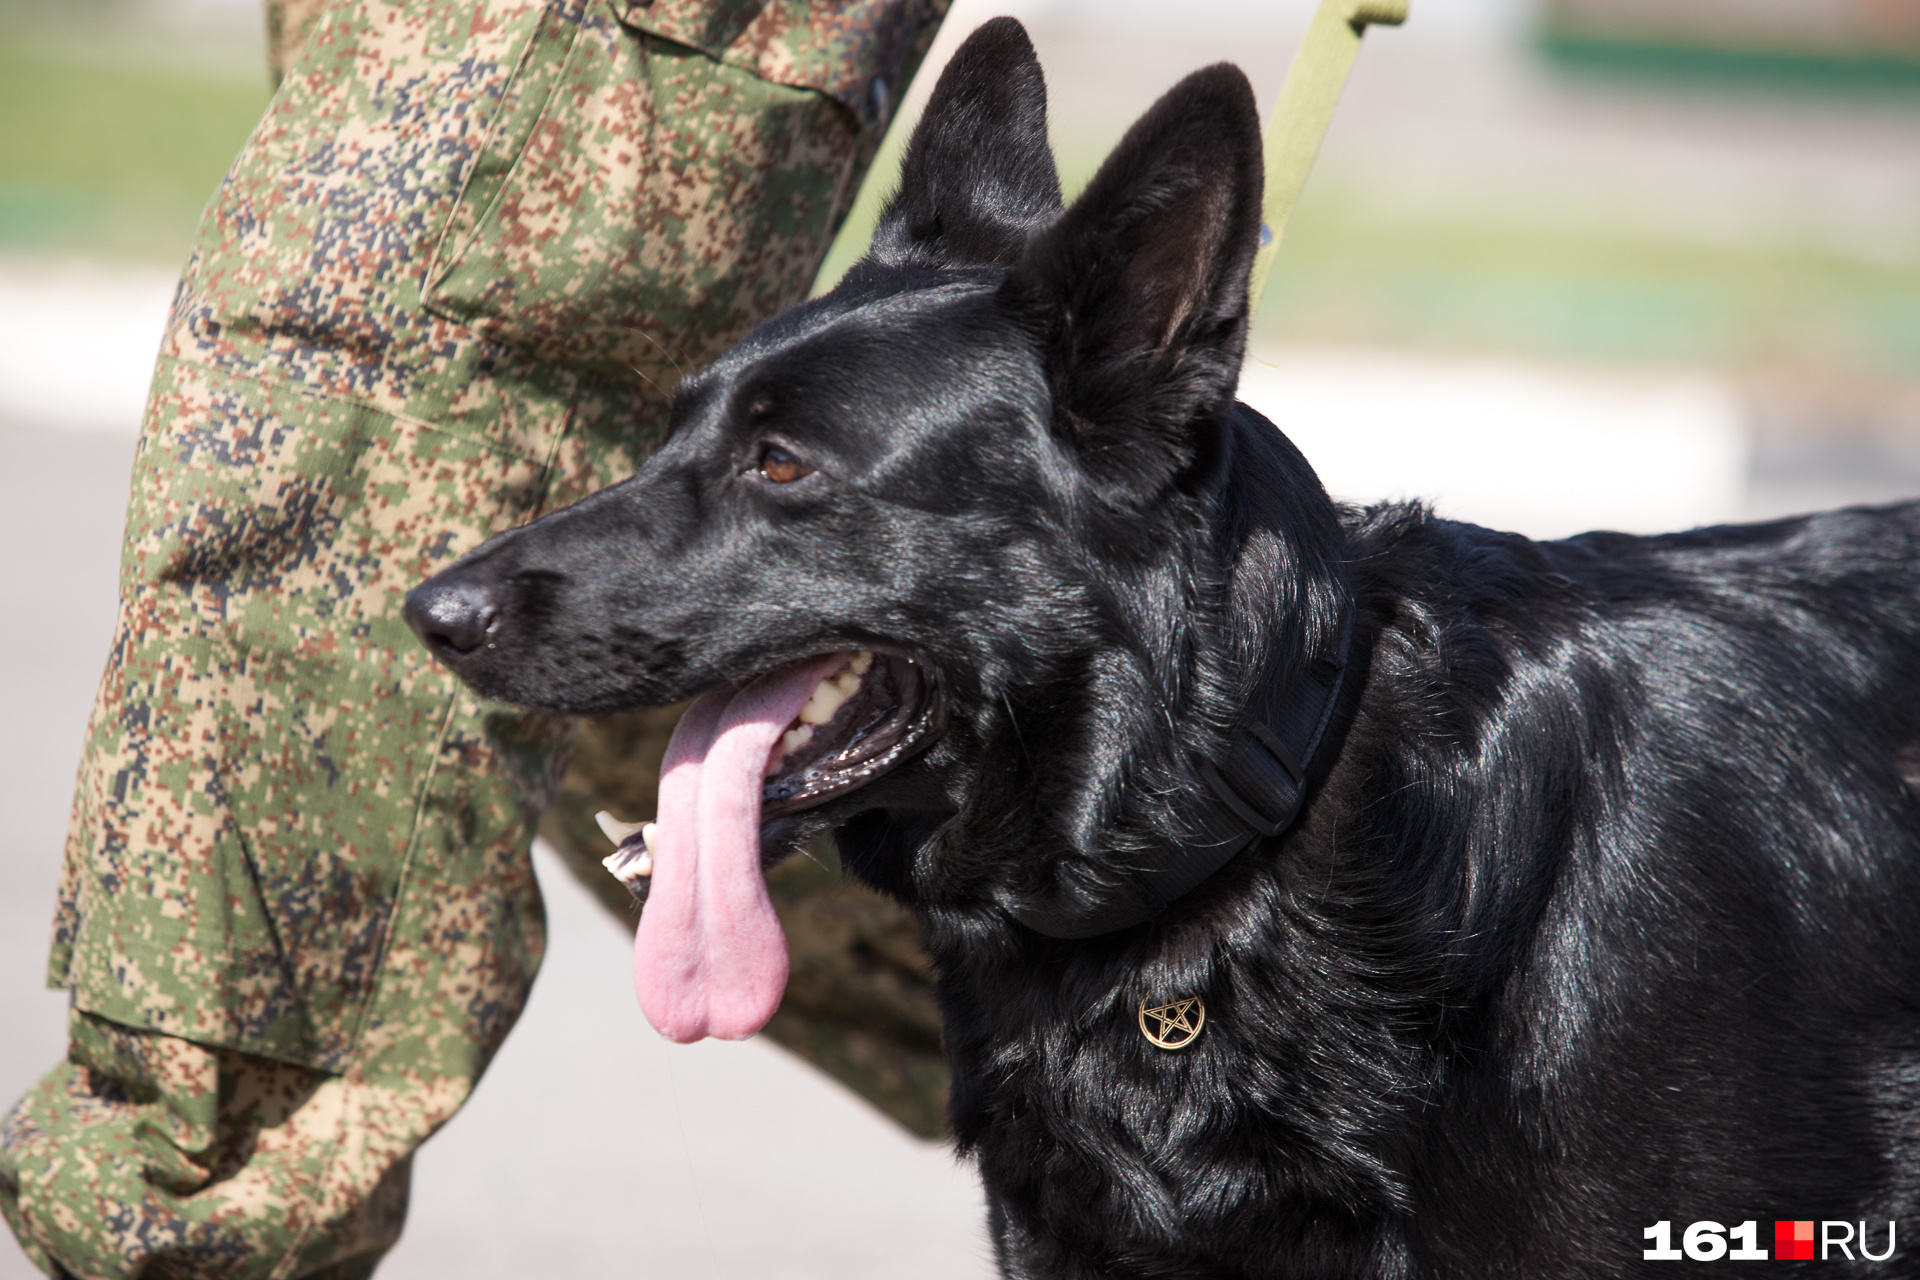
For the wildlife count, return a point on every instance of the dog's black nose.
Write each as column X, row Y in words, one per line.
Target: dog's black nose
column 451, row 617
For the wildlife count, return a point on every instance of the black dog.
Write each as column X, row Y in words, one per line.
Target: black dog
column 1534, row 893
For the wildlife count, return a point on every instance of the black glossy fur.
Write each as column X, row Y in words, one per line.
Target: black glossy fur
column 1603, row 911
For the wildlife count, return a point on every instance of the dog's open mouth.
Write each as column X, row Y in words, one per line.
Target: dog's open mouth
column 857, row 724
column 710, row 958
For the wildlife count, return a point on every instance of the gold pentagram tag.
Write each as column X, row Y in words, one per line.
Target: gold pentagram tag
column 1175, row 1024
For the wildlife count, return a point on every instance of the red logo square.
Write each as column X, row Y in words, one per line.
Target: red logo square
column 1793, row 1241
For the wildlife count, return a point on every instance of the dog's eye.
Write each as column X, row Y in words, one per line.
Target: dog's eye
column 780, row 466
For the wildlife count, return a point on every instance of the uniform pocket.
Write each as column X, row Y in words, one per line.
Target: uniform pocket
column 642, row 201
column 860, row 53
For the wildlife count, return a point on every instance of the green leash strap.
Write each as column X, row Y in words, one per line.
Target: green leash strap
column 1300, row 118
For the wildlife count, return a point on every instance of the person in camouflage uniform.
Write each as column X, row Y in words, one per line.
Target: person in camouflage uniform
column 447, row 286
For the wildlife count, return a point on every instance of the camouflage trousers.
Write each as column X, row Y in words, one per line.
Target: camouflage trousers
column 447, row 286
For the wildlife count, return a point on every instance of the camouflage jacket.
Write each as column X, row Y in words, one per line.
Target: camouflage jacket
column 445, row 287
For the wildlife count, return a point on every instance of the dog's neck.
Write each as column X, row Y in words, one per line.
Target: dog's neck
column 1261, row 678
column 1255, row 788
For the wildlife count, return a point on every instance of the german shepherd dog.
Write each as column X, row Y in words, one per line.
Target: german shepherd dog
column 1314, row 891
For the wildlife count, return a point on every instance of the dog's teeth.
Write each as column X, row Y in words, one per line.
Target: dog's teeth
column 630, row 868
column 832, row 693
column 794, row 739
column 627, row 864
column 826, row 699
column 616, row 830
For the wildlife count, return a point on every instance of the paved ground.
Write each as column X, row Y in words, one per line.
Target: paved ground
column 60, row 522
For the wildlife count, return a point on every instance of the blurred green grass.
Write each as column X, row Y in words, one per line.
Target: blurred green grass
column 1475, row 281
column 104, row 155
column 1478, row 281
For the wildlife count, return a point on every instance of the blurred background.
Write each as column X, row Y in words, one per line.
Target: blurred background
column 1563, row 264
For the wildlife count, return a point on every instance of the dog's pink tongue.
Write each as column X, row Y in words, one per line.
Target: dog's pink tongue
column 710, row 959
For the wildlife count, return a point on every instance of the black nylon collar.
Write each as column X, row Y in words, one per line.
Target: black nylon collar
column 1258, row 785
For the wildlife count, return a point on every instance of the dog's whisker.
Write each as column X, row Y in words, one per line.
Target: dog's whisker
column 662, row 348
column 642, row 374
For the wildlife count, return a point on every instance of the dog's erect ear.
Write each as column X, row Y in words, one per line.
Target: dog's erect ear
column 1139, row 291
column 978, row 176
